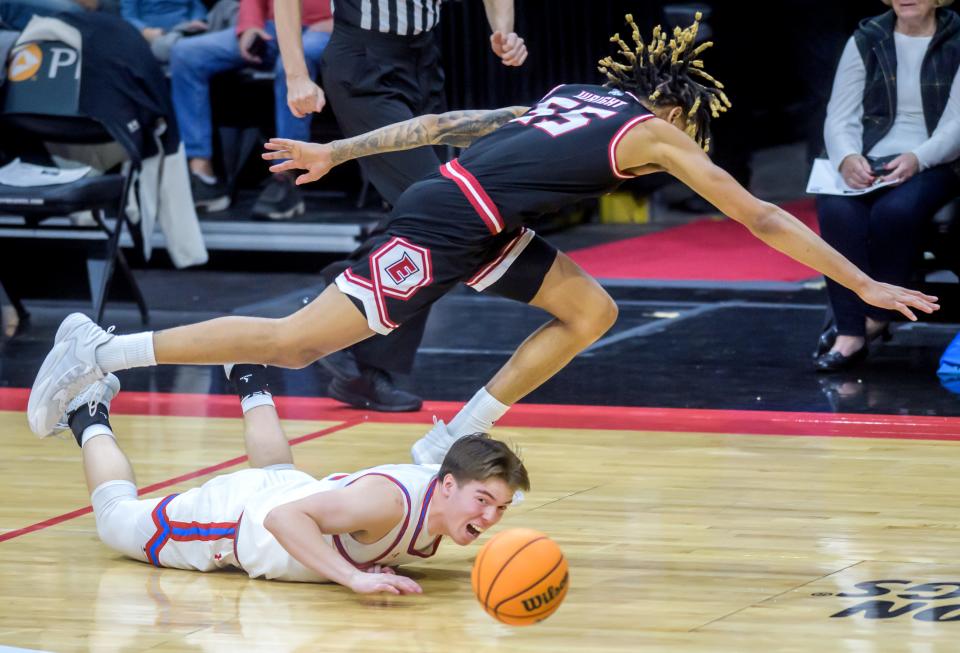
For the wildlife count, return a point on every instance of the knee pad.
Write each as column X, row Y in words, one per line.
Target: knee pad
column 114, row 503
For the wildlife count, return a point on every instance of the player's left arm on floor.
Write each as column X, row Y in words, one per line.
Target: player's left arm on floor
column 372, row 504
column 359, row 508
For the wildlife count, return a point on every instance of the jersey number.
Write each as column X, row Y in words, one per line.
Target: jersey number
column 560, row 115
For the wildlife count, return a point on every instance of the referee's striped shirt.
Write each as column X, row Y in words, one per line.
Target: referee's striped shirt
column 401, row 17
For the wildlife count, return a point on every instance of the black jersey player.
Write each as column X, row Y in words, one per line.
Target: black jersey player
column 467, row 223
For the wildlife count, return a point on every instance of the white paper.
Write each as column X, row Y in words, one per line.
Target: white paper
column 824, row 180
column 25, row 175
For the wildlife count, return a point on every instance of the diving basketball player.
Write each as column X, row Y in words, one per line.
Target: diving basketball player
column 467, row 223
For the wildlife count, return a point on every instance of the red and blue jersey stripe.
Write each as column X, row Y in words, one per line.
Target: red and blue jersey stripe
column 168, row 529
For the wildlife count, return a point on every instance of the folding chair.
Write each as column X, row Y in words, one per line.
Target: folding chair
column 34, row 113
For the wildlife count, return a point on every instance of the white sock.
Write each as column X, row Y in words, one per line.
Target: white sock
column 478, row 416
column 93, row 431
column 255, row 400
column 124, row 352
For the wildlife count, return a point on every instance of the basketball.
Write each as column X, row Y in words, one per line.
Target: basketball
column 520, row 577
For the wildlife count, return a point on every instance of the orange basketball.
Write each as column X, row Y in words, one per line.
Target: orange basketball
column 520, row 577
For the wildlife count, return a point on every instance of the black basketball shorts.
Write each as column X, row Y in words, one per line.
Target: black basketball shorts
column 433, row 241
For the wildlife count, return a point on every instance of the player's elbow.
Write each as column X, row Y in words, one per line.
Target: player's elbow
column 274, row 521
column 764, row 222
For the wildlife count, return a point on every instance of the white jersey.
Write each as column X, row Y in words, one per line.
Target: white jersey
column 197, row 529
column 220, row 523
column 260, row 555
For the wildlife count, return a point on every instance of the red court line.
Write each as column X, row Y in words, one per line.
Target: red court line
column 629, row 418
column 79, row 512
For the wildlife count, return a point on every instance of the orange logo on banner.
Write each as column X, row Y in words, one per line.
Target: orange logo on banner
column 25, row 63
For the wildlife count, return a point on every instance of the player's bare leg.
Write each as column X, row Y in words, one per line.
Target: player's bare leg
column 103, row 461
column 263, row 437
column 329, row 323
column 88, row 417
column 265, row 441
column 582, row 310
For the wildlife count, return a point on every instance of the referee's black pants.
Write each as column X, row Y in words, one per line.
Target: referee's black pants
column 371, row 80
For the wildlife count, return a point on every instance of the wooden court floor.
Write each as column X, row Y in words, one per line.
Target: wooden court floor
column 687, row 535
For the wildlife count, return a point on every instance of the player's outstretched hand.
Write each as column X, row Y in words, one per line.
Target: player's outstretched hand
column 885, row 295
column 389, row 582
column 315, row 158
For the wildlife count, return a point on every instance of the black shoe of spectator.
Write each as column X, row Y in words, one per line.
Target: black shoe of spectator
column 825, row 342
column 834, row 361
column 209, row 197
column 341, row 364
column 280, row 200
column 374, row 390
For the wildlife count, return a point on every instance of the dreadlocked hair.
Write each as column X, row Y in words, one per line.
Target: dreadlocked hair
column 667, row 71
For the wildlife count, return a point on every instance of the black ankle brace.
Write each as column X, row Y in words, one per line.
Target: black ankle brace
column 81, row 418
column 249, row 380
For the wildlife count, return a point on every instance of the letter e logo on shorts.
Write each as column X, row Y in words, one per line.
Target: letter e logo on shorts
column 401, row 268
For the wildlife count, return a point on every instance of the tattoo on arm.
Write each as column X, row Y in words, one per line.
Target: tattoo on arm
column 457, row 128
column 400, row 136
column 460, row 128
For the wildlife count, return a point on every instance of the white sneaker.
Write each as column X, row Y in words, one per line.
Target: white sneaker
column 433, row 447
column 101, row 391
column 69, row 368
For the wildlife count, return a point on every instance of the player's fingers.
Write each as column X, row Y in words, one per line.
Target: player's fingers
column 278, row 144
column 923, row 305
column 921, row 295
column 306, row 178
column 276, row 154
column 284, row 166
column 906, row 311
column 386, row 587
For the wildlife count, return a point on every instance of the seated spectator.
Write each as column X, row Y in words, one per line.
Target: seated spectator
column 894, row 114
column 195, row 60
column 162, row 21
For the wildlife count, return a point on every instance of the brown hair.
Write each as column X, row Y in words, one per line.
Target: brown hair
column 668, row 71
column 478, row 457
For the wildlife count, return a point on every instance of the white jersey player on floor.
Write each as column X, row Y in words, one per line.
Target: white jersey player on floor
column 274, row 521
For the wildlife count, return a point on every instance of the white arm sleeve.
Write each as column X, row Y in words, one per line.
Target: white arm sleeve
column 943, row 145
column 843, row 130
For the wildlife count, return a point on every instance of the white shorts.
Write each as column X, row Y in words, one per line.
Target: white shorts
column 193, row 530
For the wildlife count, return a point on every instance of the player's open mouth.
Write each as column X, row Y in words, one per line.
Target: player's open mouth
column 473, row 530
